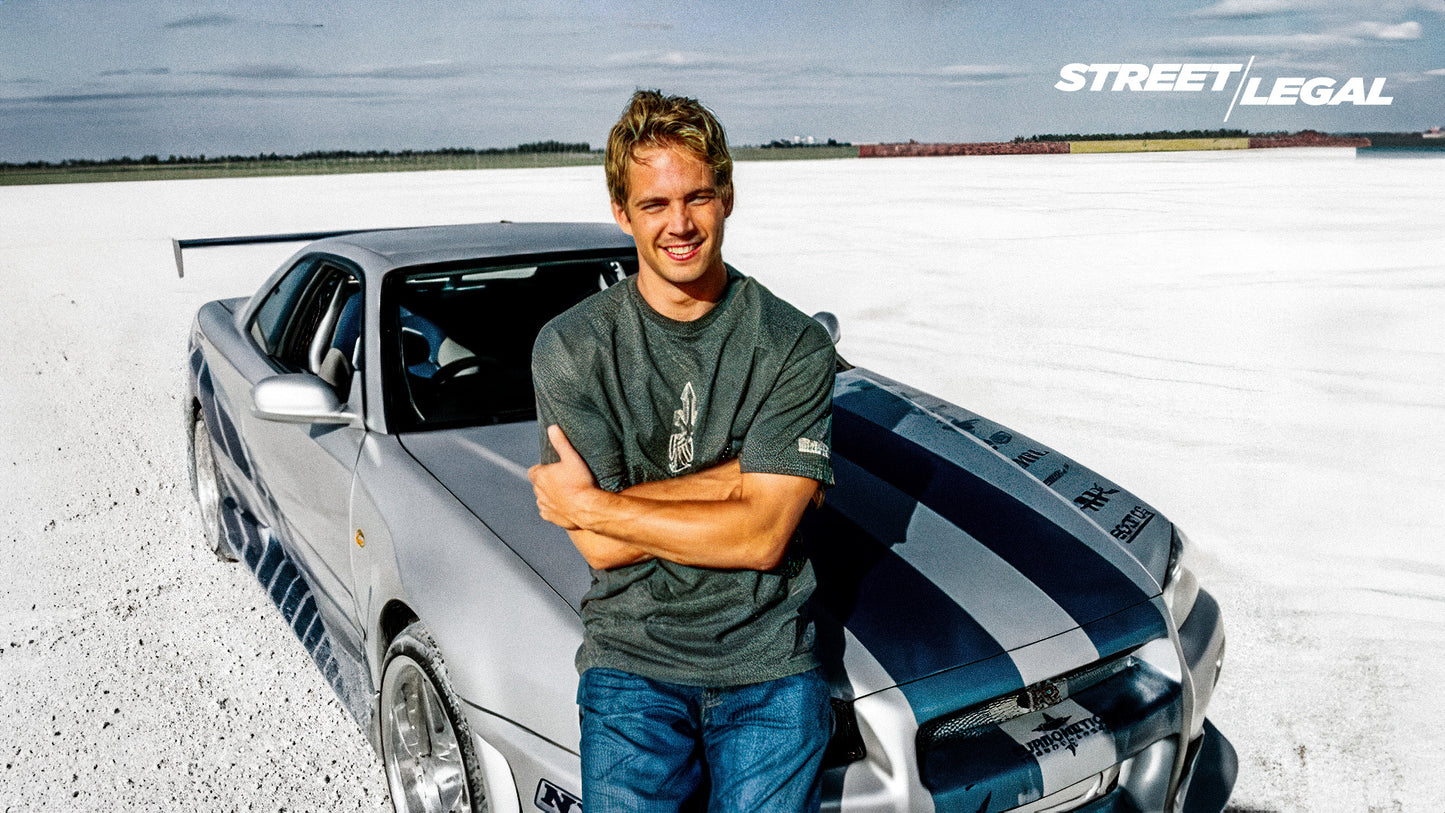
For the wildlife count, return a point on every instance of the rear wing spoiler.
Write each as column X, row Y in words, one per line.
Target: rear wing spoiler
column 177, row 246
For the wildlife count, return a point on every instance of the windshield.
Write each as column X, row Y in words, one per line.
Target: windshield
column 459, row 339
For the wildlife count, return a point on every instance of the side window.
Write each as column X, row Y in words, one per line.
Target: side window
column 312, row 322
column 267, row 325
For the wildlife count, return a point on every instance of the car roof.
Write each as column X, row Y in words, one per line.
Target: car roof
column 425, row 245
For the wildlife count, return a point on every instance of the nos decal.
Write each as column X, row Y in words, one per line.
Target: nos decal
column 552, row 798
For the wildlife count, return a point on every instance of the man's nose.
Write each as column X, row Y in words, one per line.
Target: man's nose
column 679, row 220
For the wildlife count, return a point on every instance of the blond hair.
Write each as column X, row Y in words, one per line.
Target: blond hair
column 654, row 120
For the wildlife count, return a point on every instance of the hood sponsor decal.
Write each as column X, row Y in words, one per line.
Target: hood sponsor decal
column 552, row 798
column 970, row 425
column 1094, row 498
column 1058, row 474
column 1029, row 456
column 1132, row 523
column 1058, row 732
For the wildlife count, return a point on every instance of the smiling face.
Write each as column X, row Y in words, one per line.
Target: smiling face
column 675, row 214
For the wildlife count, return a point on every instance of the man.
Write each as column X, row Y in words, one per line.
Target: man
column 685, row 416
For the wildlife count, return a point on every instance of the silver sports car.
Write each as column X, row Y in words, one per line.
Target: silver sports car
column 1004, row 629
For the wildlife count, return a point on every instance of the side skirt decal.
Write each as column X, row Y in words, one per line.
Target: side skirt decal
column 262, row 552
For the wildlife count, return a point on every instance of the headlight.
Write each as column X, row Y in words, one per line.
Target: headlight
column 1180, row 586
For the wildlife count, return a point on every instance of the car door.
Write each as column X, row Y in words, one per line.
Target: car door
column 312, row 323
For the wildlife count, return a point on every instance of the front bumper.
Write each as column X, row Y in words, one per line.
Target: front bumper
column 1120, row 752
column 1137, row 740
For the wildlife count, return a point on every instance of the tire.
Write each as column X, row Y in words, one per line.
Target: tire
column 426, row 745
column 208, row 492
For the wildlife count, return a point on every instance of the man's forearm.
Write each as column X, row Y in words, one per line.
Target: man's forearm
column 749, row 531
column 720, row 482
column 604, row 552
column 707, row 522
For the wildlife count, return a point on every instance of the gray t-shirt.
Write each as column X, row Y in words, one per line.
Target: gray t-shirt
column 643, row 397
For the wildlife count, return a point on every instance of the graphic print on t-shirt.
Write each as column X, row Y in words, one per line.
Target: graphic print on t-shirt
column 684, row 420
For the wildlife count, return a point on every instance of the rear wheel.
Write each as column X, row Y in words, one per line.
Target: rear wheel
column 208, row 492
column 426, row 746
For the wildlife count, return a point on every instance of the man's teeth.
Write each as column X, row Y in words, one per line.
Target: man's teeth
column 681, row 251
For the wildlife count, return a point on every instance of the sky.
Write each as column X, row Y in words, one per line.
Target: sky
column 100, row 79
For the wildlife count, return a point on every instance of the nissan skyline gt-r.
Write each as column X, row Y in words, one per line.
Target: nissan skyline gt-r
column 1003, row 628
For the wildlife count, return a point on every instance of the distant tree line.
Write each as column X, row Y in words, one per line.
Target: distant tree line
column 533, row 147
column 779, row 144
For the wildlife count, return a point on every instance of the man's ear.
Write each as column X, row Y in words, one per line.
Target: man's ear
column 619, row 213
column 728, row 204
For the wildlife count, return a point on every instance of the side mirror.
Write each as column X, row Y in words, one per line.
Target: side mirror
column 829, row 321
column 299, row 398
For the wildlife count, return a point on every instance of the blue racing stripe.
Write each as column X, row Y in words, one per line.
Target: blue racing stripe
column 947, row 692
column 1085, row 584
column 912, row 628
column 1127, row 629
column 223, row 430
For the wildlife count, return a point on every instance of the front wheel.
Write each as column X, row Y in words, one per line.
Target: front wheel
column 208, row 491
column 426, row 747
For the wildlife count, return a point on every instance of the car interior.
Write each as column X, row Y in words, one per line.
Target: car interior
column 462, row 337
column 311, row 322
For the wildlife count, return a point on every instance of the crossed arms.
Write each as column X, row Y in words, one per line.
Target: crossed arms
column 719, row 517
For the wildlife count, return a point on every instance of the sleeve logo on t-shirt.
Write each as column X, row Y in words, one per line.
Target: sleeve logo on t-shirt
column 810, row 446
column 684, row 420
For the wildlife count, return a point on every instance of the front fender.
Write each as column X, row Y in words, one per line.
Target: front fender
column 508, row 638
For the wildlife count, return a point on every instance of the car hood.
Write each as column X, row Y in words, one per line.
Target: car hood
column 950, row 540
column 947, row 540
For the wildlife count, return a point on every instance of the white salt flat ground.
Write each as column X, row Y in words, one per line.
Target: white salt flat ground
column 1252, row 341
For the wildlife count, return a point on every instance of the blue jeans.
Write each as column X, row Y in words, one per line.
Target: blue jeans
column 650, row 746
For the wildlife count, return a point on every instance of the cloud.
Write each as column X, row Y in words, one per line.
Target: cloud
column 1350, row 36
column 161, row 95
column 1246, row 43
column 286, row 71
column 427, row 70
column 1256, row 9
column 135, row 72
column 966, row 75
column 1382, row 31
column 1397, row 79
column 666, row 59
column 227, row 20
column 1315, row 67
column 1252, row 9
column 263, row 72
column 1436, row 72
column 977, row 74
column 203, row 21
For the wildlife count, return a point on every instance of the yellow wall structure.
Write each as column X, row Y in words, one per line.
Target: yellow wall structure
column 1159, row 144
